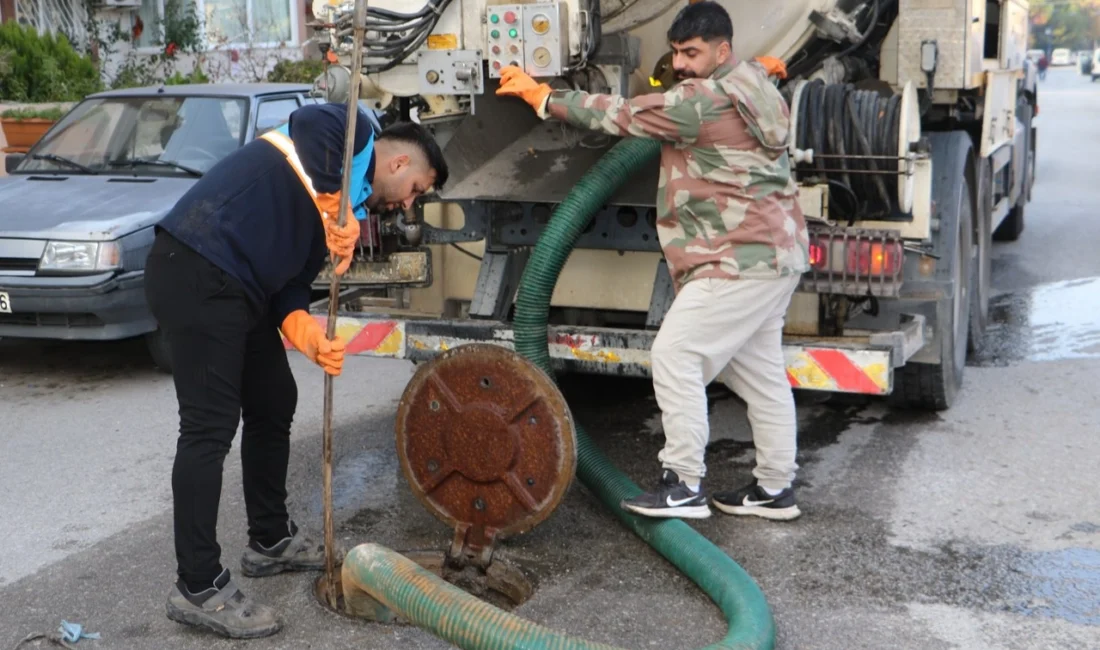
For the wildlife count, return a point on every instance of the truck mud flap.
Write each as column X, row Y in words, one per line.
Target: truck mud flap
column 835, row 367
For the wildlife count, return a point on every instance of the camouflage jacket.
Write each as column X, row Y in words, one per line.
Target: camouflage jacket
column 727, row 206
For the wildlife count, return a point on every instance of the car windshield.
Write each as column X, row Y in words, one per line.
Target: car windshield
column 160, row 135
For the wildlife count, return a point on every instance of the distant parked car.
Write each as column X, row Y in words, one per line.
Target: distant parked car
column 1084, row 62
column 1061, row 56
column 77, row 211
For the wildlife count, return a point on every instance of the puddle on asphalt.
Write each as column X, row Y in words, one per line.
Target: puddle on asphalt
column 361, row 481
column 1046, row 323
column 1062, row 584
column 819, row 426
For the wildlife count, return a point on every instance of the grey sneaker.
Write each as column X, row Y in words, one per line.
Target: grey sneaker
column 295, row 553
column 223, row 609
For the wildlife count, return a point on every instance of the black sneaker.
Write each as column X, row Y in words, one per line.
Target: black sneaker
column 753, row 500
column 673, row 499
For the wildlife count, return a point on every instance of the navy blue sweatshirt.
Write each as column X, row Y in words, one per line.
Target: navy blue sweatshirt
column 251, row 216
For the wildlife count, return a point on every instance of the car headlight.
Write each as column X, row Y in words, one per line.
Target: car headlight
column 80, row 257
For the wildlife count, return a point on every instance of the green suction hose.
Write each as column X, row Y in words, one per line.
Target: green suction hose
column 735, row 593
column 468, row 622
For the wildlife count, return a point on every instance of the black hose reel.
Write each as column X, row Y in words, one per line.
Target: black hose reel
column 855, row 139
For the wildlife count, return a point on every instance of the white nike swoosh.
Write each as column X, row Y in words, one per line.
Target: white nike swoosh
column 750, row 503
column 678, row 502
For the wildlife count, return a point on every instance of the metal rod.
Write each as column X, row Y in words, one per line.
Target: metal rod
column 853, row 156
column 886, row 172
column 334, row 294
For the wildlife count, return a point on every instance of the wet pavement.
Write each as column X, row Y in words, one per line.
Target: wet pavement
column 974, row 528
column 1058, row 320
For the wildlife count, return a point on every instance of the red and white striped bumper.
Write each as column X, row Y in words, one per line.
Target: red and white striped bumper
column 868, row 372
column 834, row 368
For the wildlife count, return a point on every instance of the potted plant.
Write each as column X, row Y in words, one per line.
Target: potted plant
column 37, row 69
column 24, row 126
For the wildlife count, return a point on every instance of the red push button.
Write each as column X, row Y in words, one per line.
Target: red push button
column 509, row 17
column 496, row 65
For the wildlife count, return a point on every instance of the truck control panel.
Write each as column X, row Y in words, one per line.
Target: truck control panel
column 531, row 36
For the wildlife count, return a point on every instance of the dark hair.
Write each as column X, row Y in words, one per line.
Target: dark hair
column 706, row 20
column 416, row 135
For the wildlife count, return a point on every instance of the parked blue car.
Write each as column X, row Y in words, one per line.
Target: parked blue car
column 77, row 211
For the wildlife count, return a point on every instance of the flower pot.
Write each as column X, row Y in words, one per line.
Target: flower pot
column 24, row 133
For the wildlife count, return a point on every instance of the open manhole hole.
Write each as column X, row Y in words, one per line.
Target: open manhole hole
column 502, row 585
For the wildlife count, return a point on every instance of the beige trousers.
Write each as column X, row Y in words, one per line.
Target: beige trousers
column 731, row 330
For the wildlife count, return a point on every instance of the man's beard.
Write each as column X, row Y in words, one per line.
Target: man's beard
column 686, row 74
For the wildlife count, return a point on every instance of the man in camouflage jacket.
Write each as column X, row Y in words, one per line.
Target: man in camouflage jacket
column 735, row 241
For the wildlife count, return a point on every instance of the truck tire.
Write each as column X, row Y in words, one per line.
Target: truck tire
column 981, row 285
column 934, row 387
column 1013, row 225
column 157, row 343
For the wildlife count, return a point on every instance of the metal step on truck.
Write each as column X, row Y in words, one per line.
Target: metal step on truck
column 913, row 147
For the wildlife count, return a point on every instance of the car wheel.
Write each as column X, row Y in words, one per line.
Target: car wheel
column 157, row 342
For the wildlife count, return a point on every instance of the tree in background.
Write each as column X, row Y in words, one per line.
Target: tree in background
column 1064, row 23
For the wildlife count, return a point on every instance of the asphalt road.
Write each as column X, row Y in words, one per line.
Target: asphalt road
column 976, row 528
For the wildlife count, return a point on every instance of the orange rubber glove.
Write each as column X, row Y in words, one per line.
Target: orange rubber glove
column 307, row 336
column 514, row 82
column 775, row 67
column 341, row 242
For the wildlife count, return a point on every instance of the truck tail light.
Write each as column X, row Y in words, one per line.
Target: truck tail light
column 867, row 258
column 854, row 261
column 819, row 256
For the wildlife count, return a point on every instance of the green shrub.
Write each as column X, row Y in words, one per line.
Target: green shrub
column 302, row 72
column 135, row 71
column 40, row 68
column 196, row 76
column 26, row 113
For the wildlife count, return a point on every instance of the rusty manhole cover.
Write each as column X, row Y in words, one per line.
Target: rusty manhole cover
column 486, row 440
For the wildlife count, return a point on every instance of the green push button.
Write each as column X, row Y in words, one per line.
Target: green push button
column 494, row 34
column 513, row 33
column 494, row 19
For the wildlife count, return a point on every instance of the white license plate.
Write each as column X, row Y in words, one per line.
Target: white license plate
column 5, row 303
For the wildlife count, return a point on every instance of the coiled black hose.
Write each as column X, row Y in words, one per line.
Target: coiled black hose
column 399, row 34
column 866, row 31
column 854, row 125
column 595, row 27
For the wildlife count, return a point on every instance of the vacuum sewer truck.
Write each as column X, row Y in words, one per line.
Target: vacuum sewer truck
column 913, row 145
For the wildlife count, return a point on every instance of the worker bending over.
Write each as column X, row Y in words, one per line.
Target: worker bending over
column 232, row 264
column 736, row 244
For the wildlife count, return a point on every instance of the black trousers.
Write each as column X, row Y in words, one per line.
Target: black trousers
column 228, row 361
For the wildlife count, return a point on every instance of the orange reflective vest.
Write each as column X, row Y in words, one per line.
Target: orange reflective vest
column 286, row 145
